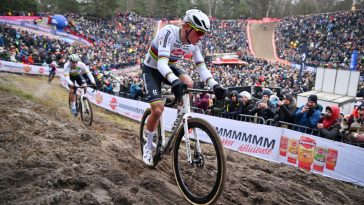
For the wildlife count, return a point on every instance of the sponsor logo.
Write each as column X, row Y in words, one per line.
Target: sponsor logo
column 247, row 138
column 27, row 68
column 113, row 103
column 166, row 39
column 98, row 98
column 178, row 52
column 41, row 70
column 177, row 45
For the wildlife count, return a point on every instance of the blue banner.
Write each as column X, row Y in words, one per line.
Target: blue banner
column 354, row 56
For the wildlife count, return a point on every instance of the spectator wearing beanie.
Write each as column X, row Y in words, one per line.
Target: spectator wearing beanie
column 308, row 115
column 286, row 109
column 248, row 103
column 264, row 108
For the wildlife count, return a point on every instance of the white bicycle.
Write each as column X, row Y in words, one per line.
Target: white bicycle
column 83, row 105
column 199, row 167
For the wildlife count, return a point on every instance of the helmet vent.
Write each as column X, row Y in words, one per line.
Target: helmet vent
column 204, row 25
column 197, row 21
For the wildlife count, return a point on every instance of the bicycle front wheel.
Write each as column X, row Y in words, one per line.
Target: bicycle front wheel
column 86, row 112
column 201, row 180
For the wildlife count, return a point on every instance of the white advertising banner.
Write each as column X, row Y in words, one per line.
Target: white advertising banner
column 307, row 152
column 25, row 68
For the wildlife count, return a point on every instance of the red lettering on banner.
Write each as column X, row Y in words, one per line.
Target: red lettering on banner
column 253, row 149
column 227, row 142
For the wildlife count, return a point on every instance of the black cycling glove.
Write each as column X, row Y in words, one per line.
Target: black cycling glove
column 219, row 92
column 177, row 89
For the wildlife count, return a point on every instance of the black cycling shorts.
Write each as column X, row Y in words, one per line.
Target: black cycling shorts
column 153, row 81
column 79, row 79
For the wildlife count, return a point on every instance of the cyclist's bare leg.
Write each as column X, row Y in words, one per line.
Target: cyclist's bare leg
column 157, row 110
column 72, row 97
column 153, row 119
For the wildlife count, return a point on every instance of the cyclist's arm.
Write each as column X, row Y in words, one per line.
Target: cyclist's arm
column 66, row 73
column 165, row 38
column 85, row 69
column 202, row 69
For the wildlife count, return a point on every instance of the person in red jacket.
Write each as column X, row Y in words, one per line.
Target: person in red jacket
column 328, row 124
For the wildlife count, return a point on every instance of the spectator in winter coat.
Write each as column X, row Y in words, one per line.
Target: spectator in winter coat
column 234, row 107
column 286, row 109
column 308, row 115
column 328, row 124
column 248, row 103
column 203, row 101
column 352, row 126
column 264, row 108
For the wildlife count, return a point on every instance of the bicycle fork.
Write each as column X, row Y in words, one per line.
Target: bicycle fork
column 196, row 157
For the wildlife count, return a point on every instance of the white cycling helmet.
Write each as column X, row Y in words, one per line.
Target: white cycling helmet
column 197, row 19
column 74, row 58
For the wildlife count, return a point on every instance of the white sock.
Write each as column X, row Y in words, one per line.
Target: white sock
column 73, row 105
column 150, row 137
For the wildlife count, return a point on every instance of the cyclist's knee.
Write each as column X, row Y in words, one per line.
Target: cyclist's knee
column 157, row 109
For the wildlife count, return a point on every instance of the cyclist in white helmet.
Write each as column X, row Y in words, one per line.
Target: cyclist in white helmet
column 169, row 45
column 73, row 70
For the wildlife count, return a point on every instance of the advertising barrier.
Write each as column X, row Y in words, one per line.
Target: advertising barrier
column 307, row 152
column 27, row 69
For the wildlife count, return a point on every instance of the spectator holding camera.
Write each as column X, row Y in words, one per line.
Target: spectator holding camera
column 286, row 109
column 264, row 108
column 308, row 115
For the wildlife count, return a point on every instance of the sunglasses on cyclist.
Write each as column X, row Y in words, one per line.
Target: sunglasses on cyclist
column 198, row 31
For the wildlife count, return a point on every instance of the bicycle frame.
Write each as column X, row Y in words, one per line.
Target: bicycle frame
column 183, row 114
column 81, row 96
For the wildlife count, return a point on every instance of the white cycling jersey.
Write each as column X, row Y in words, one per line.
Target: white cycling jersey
column 78, row 69
column 167, row 49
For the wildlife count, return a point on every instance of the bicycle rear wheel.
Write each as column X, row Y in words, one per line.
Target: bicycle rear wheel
column 86, row 112
column 202, row 181
column 157, row 142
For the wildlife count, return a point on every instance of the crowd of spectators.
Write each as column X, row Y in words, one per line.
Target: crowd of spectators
column 331, row 38
column 227, row 36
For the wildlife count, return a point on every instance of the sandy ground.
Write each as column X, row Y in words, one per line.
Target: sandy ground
column 262, row 40
column 49, row 157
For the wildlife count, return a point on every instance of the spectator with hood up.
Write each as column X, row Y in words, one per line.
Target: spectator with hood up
column 328, row 124
column 233, row 107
